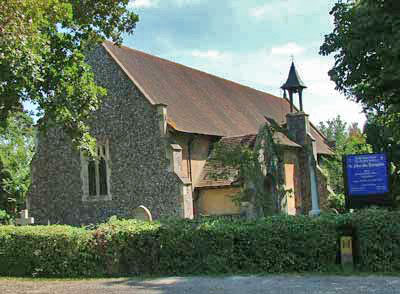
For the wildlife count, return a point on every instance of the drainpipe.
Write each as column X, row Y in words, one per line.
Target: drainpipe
column 190, row 142
column 314, row 186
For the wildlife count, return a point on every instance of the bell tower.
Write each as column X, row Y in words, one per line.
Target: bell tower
column 298, row 128
column 294, row 85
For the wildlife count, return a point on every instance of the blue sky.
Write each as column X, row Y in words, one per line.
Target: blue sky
column 247, row 41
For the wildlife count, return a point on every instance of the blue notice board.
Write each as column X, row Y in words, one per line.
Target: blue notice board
column 367, row 174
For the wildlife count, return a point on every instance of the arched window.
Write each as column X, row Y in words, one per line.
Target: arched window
column 95, row 174
column 103, row 176
column 92, row 177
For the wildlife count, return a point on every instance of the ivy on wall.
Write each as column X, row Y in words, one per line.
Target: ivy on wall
column 257, row 168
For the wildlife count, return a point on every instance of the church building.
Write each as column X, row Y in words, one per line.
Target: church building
column 155, row 130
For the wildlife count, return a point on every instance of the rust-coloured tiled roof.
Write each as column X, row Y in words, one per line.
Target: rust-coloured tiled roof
column 246, row 140
column 212, row 168
column 249, row 140
column 210, row 175
column 198, row 102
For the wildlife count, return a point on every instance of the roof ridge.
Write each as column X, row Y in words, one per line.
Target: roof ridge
column 221, row 123
column 238, row 136
column 196, row 70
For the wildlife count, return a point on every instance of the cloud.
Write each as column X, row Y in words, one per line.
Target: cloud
column 285, row 8
column 206, row 54
column 272, row 9
column 156, row 3
column 258, row 12
column 186, row 2
column 287, row 49
column 142, row 3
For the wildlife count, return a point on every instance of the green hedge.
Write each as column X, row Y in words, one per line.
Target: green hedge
column 377, row 239
column 275, row 245
column 47, row 251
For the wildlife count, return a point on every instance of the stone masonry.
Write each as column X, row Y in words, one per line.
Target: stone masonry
column 298, row 129
column 140, row 170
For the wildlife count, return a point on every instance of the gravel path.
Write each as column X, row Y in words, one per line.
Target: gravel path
column 290, row 284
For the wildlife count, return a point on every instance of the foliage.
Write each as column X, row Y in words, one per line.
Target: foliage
column 382, row 139
column 257, row 168
column 4, row 217
column 274, row 244
column 335, row 131
column 337, row 202
column 365, row 46
column 47, row 250
column 377, row 239
column 347, row 140
column 16, row 152
column 42, row 60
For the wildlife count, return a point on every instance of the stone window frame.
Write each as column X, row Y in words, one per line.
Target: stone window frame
column 104, row 144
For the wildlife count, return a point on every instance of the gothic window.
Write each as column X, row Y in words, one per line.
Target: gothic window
column 92, row 177
column 95, row 174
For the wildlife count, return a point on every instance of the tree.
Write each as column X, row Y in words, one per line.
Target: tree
column 381, row 136
column 365, row 46
column 335, row 131
column 42, row 59
column 16, row 152
column 347, row 140
column 366, row 50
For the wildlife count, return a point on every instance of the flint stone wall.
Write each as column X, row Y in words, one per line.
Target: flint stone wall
column 139, row 167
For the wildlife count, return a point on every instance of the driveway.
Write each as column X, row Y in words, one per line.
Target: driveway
column 284, row 284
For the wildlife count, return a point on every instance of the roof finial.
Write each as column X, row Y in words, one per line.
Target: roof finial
column 292, row 57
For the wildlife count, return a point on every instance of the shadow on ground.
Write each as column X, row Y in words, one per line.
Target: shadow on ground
column 282, row 284
column 268, row 284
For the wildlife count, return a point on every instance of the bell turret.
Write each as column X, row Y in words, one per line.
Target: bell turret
column 294, row 84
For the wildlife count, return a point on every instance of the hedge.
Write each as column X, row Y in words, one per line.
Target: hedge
column 47, row 251
column 127, row 247
column 275, row 244
column 377, row 239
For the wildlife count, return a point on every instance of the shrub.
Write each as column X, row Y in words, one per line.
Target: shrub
column 4, row 217
column 128, row 246
column 46, row 251
column 377, row 234
column 274, row 244
column 337, row 202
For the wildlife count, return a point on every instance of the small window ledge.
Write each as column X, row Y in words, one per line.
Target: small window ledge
column 87, row 198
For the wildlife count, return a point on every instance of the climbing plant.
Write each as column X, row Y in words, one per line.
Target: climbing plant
column 257, row 169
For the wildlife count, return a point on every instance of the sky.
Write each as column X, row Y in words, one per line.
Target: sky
column 250, row 42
